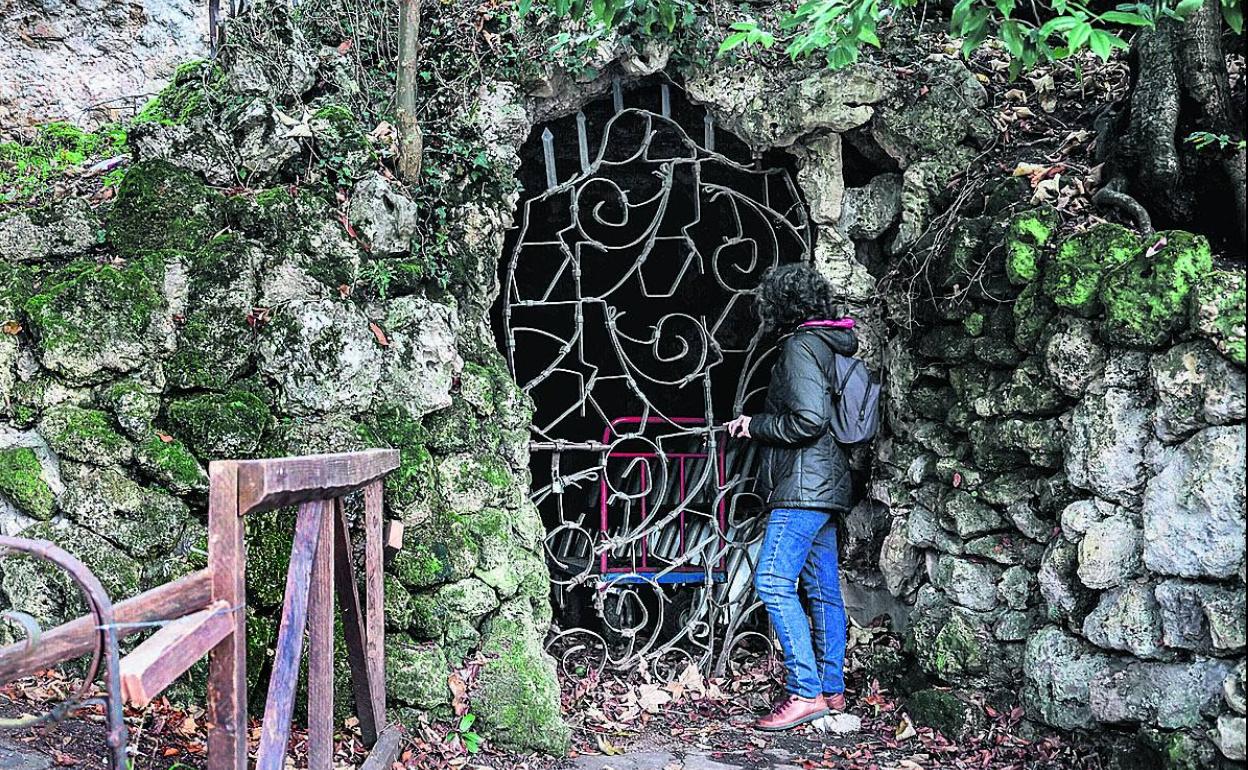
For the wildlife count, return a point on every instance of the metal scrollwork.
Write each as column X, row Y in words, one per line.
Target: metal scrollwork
column 627, row 314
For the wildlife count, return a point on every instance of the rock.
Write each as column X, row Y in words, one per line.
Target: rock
column 1128, row 619
column 924, row 531
column 969, row 584
column 519, row 694
column 1065, row 597
column 1079, row 516
column 168, row 462
column 384, row 215
column 1013, row 626
column 416, row 673
column 1217, row 303
column 772, row 109
column 900, row 563
column 1023, row 516
column 1146, row 302
column 1231, row 737
column 1194, row 507
column 1058, row 670
column 870, row 210
column 22, row 482
column 60, row 229
column 1072, row 356
column 266, row 150
column 1025, row 238
column 942, row 711
column 1233, row 689
column 1105, row 446
column 862, row 531
column 145, row 523
column 1167, row 695
column 1110, row 552
column 821, row 178
column 134, row 405
column 421, row 362
column 1195, row 387
column 220, row 425
column 840, row 723
column 95, row 320
column 1072, row 277
column 938, row 125
column 1007, row 444
column 1200, row 616
column 834, row 257
column 1027, row 392
column 1008, row 549
column 1016, row 587
column 971, row 517
column 323, row 356
column 85, row 435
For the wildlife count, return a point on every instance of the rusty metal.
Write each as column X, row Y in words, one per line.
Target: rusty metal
column 597, row 327
column 106, row 651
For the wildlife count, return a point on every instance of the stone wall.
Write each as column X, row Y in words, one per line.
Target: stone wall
column 1066, row 476
column 90, row 61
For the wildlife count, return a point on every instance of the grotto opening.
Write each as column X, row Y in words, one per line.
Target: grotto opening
column 626, row 313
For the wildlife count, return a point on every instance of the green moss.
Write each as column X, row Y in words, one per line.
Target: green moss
column 1218, row 305
column 938, row 709
column 417, row 673
column 21, row 481
column 1073, row 276
column 221, row 424
column 185, row 97
column 1146, row 300
column 160, row 208
column 1025, row 239
column 1032, row 311
column 86, row 307
column 214, row 338
column 83, row 435
column 393, row 427
column 169, row 462
column 28, row 170
column 974, row 324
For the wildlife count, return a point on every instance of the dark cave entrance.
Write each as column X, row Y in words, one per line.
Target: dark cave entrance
column 626, row 312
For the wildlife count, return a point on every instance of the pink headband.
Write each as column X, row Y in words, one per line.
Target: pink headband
column 839, row 323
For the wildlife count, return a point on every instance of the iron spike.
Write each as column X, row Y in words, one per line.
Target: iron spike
column 582, row 139
column 548, row 150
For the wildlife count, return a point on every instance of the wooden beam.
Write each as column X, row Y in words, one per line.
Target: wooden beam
column 374, row 603
column 385, row 750
column 393, row 538
column 187, row 594
column 280, row 702
column 168, row 653
column 353, row 626
column 264, row 485
column 227, row 663
column 321, row 647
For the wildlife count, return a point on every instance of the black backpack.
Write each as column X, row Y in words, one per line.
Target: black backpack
column 856, row 400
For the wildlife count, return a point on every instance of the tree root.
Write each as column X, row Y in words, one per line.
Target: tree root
column 1111, row 195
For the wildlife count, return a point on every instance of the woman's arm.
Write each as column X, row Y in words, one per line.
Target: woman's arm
column 805, row 412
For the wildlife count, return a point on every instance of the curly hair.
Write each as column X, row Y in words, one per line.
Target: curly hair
column 791, row 294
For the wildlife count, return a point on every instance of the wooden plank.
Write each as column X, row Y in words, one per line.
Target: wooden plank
column 353, row 625
column 168, row 653
column 227, row 663
column 385, row 751
column 187, row 594
column 321, row 648
column 374, row 608
column 264, row 485
column 393, row 538
column 280, row 701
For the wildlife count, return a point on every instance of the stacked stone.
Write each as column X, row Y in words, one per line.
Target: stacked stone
column 1067, row 474
column 191, row 319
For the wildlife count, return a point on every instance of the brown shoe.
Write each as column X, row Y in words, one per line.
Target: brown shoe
column 835, row 701
column 793, row 711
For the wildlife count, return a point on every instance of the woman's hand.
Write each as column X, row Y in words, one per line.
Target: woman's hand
column 740, row 427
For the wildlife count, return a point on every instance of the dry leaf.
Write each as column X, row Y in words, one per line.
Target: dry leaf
column 606, row 747
column 379, row 334
column 11, row 328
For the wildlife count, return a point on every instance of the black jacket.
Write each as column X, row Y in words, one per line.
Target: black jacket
column 802, row 465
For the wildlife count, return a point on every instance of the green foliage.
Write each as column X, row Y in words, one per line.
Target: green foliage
column 647, row 18
column 1221, row 142
column 465, row 734
column 28, row 170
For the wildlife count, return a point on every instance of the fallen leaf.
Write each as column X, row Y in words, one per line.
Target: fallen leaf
column 379, row 334
column 606, row 747
column 11, row 328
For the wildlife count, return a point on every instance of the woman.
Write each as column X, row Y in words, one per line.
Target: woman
column 804, row 480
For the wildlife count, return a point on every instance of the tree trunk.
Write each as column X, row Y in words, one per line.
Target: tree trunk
column 411, row 140
column 1179, row 85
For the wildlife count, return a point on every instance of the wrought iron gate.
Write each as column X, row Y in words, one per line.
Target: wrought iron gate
column 627, row 314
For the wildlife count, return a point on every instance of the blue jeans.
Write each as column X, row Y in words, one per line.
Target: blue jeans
column 802, row 543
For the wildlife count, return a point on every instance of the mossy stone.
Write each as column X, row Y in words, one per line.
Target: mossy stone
column 393, row 427
column 84, row 435
column 1032, row 311
column 184, row 98
column 939, row 709
column 161, row 208
column 519, row 694
column 1073, row 275
column 215, row 342
column 221, row 425
column 90, row 319
column 1218, row 302
column 167, row 461
column 133, row 404
column 417, row 674
column 21, row 481
column 270, row 536
column 1146, row 301
column 1025, row 239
